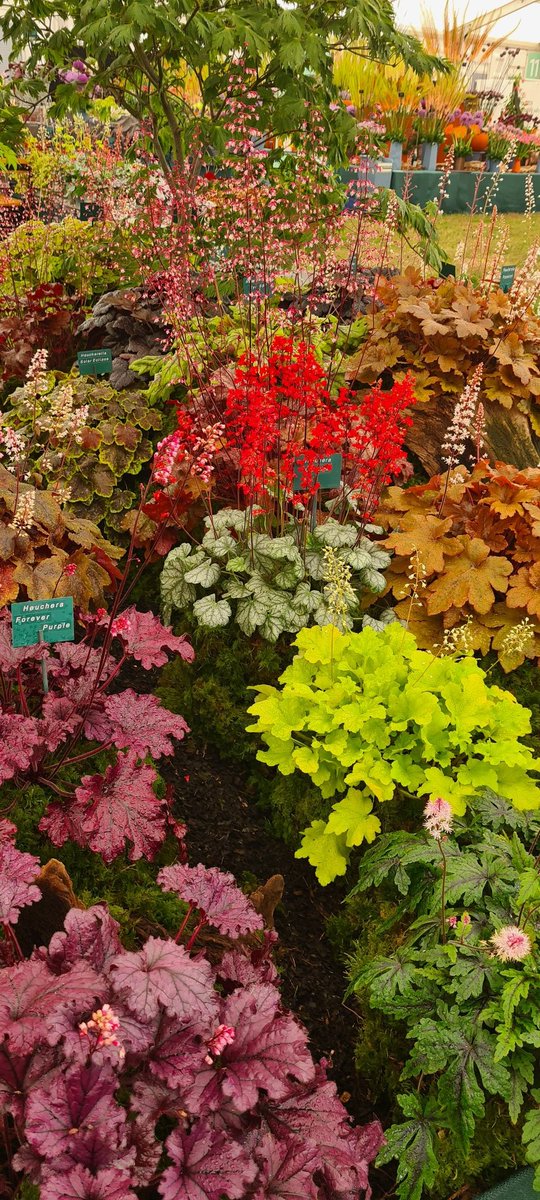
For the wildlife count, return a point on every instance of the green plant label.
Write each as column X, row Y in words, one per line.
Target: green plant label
column 52, row 618
column 328, row 472
column 354, row 264
column 95, row 362
column 508, row 274
column 89, row 211
column 447, row 269
column 257, row 287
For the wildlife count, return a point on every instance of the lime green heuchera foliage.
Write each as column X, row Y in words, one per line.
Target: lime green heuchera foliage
column 368, row 716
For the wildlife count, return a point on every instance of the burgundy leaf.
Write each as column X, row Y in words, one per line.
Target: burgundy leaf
column 268, row 1050
column 30, row 994
column 80, row 660
column 91, row 934
column 207, row 1166
column 19, row 738
column 153, row 1100
column 215, row 894
column 286, row 1169
column 242, row 968
column 59, row 718
column 345, row 1166
column 17, row 887
column 80, row 1184
column 163, row 973
column 179, row 1051
column 146, row 639
column 141, row 724
column 63, row 824
column 8, row 831
column 120, row 807
column 75, row 1118
column 142, row 1139
column 312, row 1112
column 97, row 727
column 19, row 1075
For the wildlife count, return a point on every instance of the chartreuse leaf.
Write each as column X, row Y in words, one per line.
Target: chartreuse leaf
column 414, row 1144
column 325, row 851
column 353, row 816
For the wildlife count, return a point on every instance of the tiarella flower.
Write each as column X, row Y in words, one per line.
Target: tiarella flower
column 24, row 513
column 438, row 817
column 70, row 569
column 462, row 424
column 452, row 922
column 223, row 1036
column 511, row 944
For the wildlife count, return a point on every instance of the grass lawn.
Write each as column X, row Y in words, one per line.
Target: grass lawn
column 523, row 232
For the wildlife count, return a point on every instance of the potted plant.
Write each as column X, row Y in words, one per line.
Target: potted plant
column 396, row 128
column 462, row 147
column 429, row 126
column 498, row 145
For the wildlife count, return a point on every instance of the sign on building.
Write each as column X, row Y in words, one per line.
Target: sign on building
column 532, row 66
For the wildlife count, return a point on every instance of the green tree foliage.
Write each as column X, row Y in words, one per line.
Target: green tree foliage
column 170, row 64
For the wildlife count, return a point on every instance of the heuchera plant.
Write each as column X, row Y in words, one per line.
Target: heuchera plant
column 475, row 535
column 461, row 906
column 123, row 1070
column 43, row 737
column 367, row 716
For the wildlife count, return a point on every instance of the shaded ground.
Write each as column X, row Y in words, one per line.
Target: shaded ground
column 226, row 830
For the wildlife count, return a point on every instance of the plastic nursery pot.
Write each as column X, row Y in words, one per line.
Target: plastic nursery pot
column 429, row 155
column 395, row 155
column 459, row 164
column 516, row 166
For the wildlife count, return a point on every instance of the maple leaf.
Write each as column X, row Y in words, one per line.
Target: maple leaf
column 62, row 824
column 215, row 894
column 141, row 724
column 18, row 872
column 207, row 1165
column 19, row 1074
column 471, row 578
column 269, row 1048
column 286, row 1169
column 525, row 590
column 511, row 352
column 79, row 1183
column 425, row 536
column 59, row 719
column 90, row 934
column 507, row 498
column 146, row 639
column 19, row 738
column 74, row 1118
column 163, row 974
column 120, row 807
column 30, row 994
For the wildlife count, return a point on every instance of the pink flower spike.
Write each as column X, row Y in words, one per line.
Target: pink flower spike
column 70, row 569
column 511, row 944
column 452, row 921
column 223, row 1036
column 438, row 817
column 465, row 920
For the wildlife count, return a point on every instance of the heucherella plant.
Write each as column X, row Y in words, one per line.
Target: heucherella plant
column 123, row 1070
column 265, row 582
column 367, row 716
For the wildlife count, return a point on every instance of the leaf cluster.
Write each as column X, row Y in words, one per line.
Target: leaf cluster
column 477, row 538
column 265, row 581
column 87, row 257
column 115, row 1073
column 442, row 332
column 44, row 316
column 470, row 1017
column 46, row 737
column 96, row 470
column 38, row 541
column 368, row 716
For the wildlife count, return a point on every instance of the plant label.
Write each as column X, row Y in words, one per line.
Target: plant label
column 42, row 620
column 354, row 265
column 95, row 362
column 257, row 287
column 447, row 270
column 328, row 473
column 508, row 274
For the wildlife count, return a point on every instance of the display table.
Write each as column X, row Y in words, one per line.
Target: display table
column 508, row 191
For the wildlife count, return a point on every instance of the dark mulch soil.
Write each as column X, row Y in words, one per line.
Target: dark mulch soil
column 226, row 829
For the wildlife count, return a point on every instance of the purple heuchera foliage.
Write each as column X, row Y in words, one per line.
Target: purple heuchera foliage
column 259, row 1121
column 119, row 810
column 216, row 896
